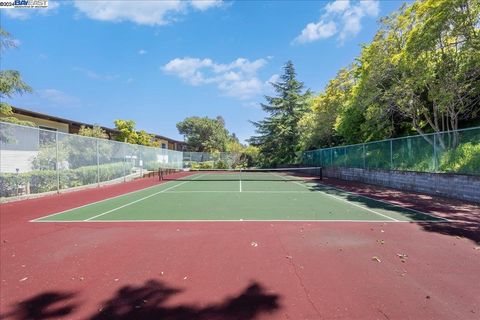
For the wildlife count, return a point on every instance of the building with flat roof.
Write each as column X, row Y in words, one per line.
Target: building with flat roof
column 48, row 122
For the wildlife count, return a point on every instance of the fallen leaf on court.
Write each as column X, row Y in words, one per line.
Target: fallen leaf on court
column 115, row 280
column 402, row 256
column 376, row 259
column 289, row 257
column 23, row 279
column 185, row 278
column 382, row 231
column 81, row 278
column 477, row 248
column 254, row 244
column 381, row 241
column 161, row 273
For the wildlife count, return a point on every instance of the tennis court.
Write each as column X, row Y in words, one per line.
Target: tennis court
column 241, row 195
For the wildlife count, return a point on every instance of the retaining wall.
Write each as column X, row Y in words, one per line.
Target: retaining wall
column 464, row 187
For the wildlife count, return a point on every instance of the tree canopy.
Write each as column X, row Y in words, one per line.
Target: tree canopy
column 420, row 73
column 11, row 83
column 129, row 134
column 204, row 134
column 94, row 132
column 278, row 135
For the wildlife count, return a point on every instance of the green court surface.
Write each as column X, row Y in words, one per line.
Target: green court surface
column 219, row 199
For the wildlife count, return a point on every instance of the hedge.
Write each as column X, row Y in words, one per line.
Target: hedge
column 46, row 180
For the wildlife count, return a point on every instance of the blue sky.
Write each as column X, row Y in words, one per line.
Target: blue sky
column 157, row 62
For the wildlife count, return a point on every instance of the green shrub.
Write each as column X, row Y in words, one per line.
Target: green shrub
column 46, row 180
column 463, row 159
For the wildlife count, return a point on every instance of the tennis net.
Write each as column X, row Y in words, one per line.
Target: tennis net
column 277, row 174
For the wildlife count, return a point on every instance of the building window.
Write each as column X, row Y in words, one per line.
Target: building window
column 164, row 146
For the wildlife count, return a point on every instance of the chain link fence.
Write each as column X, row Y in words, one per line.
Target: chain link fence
column 218, row 160
column 34, row 160
column 450, row 151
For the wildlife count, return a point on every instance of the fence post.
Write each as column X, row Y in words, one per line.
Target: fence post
column 364, row 156
column 435, row 164
column 98, row 164
column 124, row 160
column 57, row 162
column 391, row 154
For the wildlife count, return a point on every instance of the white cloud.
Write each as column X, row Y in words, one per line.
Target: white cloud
column 141, row 12
column 273, row 79
column 142, row 52
column 341, row 18
column 26, row 13
column 337, row 6
column 59, row 98
column 236, row 79
column 203, row 5
column 94, row 75
column 316, row 31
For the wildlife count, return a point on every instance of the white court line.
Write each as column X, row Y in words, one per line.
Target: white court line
column 349, row 202
column 387, row 203
column 243, row 191
column 141, row 199
column 103, row 200
column 240, row 185
column 240, row 220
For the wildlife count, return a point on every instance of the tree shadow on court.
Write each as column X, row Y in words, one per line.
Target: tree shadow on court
column 48, row 305
column 147, row 302
column 463, row 217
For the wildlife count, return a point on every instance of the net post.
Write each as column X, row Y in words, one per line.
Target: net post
column 57, row 162
column 321, row 173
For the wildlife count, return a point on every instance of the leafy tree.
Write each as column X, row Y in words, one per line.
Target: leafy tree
column 420, row 73
column 130, row 135
column 204, row 134
column 439, row 63
column 250, row 156
column 146, row 139
column 95, row 132
column 127, row 131
column 11, row 83
column 329, row 114
column 278, row 135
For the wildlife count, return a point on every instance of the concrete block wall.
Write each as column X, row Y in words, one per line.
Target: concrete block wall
column 463, row 187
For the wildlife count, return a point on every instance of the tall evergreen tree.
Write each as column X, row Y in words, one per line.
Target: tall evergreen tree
column 278, row 135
